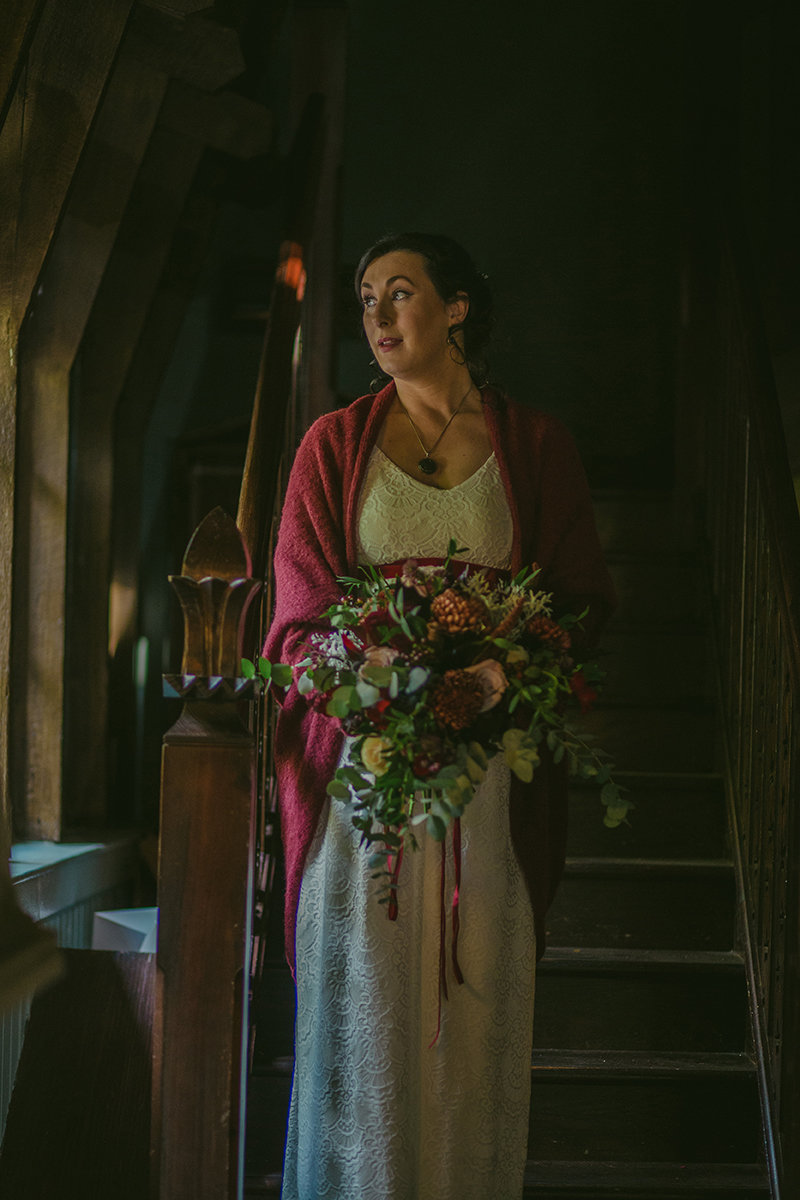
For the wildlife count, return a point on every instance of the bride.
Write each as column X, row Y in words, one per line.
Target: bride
column 399, row 1094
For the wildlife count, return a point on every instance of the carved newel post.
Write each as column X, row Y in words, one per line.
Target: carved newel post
column 205, row 879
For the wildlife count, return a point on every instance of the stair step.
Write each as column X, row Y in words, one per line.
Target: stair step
column 644, row 903
column 661, row 594
column 675, row 816
column 262, row 1185
column 268, row 1095
column 638, row 1106
column 640, row 1000
column 679, row 662
column 274, row 1009
column 623, row 1181
column 559, row 1065
column 634, row 522
column 657, row 738
column 645, row 1181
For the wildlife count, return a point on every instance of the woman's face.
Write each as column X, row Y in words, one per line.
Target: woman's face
column 405, row 319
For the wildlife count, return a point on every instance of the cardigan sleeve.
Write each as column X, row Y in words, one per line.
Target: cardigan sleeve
column 309, row 554
column 574, row 565
column 310, row 551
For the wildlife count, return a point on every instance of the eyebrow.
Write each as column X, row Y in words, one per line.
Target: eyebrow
column 392, row 279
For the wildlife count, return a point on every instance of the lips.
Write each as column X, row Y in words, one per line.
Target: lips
column 388, row 343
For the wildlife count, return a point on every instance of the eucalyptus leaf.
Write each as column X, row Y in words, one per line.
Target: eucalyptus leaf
column 247, row 669
column 351, row 775
column 417, row 678
column 367, row 694
column 282, row 675
column 339, row 703
column 379, row 676
column 437, row 829
column 609, row 793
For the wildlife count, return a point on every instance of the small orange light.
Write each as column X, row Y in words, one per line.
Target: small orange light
column 290, row 268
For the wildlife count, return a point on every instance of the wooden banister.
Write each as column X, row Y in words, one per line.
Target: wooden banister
column 752, row 529
column 214, row 808
column 205, row 879
column 270, row 411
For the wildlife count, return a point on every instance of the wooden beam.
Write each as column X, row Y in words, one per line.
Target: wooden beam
column 68, row 66
column 60, row 650
column 18, row 21
column 194, row 50
column 224, row 121
column 47, row 124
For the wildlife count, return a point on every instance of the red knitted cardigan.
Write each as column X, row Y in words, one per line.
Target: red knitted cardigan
column 553, row 525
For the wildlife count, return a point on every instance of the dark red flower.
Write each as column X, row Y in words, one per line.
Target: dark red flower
column 378, row 628
column 583, row 693
column 375, row 713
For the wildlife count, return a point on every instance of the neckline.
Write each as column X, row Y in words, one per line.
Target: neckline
column 429, row 487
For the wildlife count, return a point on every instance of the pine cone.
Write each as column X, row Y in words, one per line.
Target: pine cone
column 453, row 612
column 547, row 630
column 457, row 699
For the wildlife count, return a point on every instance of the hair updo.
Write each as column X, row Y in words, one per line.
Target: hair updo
column 450, row 270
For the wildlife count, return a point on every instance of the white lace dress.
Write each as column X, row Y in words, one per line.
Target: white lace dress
column 376, row 1113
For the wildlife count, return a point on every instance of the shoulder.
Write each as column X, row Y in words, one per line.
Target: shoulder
column 340, row 429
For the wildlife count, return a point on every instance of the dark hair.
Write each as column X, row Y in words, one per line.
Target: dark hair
column 450, row 270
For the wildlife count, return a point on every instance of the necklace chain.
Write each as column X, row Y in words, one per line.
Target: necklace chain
column 427, row 465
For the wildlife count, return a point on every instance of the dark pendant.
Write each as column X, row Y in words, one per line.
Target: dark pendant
column 427, row 465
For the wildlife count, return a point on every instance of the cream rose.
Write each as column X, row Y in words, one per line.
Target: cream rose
column 379, row 656
column 374, row 753
column 492, row 679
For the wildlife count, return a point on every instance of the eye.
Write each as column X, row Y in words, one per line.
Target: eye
column 367, row 301
column 400, row 294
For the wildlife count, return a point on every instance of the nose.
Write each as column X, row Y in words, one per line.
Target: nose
column 380, row 311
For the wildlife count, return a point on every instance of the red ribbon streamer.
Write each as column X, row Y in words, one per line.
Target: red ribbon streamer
column 394, row 875
column 456, row 896
column 443, row 925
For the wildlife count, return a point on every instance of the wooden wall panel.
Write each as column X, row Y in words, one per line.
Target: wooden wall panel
column 95, row 294
column 48, row 120
column 111, row 337
column 65, row 293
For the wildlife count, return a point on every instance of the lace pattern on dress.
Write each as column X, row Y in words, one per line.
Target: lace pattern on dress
column 399, row 517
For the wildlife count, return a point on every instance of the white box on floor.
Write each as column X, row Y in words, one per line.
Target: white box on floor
column 126, row 929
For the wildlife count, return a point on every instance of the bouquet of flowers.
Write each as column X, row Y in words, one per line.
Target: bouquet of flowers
column 431, row 672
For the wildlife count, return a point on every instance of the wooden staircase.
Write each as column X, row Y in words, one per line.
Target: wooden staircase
column 644, row 1086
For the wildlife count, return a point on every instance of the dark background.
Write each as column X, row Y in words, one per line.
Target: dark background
column 548, row 139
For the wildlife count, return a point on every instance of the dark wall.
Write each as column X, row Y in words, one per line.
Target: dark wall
column 547, row 138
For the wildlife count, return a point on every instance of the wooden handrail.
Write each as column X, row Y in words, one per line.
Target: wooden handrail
column 205, row 880
column 265, row 445
column 214, row 812
column 752, row 528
